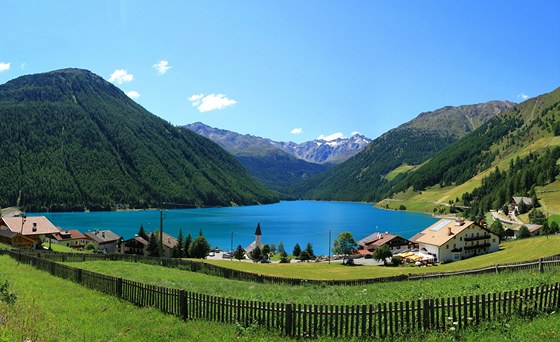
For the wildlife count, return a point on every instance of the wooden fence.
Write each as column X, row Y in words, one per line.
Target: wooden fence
column 304, row 320
column 228, row 273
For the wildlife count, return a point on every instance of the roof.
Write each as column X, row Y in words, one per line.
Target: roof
column 376, row 240
column 532, row 227
column 258, row 231
column 32, row 225
column 139, row 239
column 102, row 236
column 68, row 234
column 168, row 240
column 526, row 200
column 442, row 231
column 252, row 246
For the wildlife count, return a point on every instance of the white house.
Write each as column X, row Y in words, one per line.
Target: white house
column 257, row 242
column 104, row 240
column 69, row 238
column 452, row 240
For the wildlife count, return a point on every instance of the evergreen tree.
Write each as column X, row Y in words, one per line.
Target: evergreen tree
column 187, row 249
column 266, row 251
column 153, row 246
column 256, row 254
column 142, row 233
column 175, row 252
column 523, row 233
column 239, row 253
column 281, row 248
column 180, row 246
column 284, row 257
column 537, row 217
column 199, row 248
column 498, row 229
column 304, row 255
column 309, row 250
column 554, row 228
column 297, row 250
column 272, row 248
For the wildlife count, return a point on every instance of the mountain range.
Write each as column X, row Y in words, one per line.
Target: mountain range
column 281, row 166
column 73, row 141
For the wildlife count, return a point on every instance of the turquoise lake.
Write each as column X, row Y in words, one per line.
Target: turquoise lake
column 290, row 222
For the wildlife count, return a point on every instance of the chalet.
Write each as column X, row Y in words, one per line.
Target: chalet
column 370, row 243
column 104, row 240
column 168, row 243
column 516, row 202
column 451, row 240
column 69, row 238
column 25, row 231
column 534, row 230
column 136, row 245
column 257, row 242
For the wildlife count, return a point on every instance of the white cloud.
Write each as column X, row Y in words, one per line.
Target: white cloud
column 120, row 76
column 523, row 96
column 162, row 67
column 333, row 136
column 297, row 131
column 5, row 66
column 206, row 103
column 23, row 66
column 355, row 133
column 133, row 94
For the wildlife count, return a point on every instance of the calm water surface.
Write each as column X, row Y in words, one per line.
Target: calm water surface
column 290, row 222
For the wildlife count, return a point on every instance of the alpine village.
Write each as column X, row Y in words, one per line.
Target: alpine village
column 118, row 225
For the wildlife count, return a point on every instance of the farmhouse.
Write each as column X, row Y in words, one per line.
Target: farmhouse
column 25, row 231
column 516, row 202
column 104, row 240
column 371, row 242
column 451, row 240
column 534, row 230
column 136, row 245
column 69, row 238
column 168, row 243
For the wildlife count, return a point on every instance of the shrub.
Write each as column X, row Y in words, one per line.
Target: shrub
column 396, row 260
column 90, row 246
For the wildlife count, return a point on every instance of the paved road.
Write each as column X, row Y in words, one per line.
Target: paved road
column 496, row 216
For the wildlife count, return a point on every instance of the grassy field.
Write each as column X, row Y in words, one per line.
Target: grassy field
column 320, row 294
column 59, row 310
column 51, row 309
column 401, row 169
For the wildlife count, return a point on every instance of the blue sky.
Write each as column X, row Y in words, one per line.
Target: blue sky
column 293, row 70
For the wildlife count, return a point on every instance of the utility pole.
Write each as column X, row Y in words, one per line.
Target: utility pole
column 329, row 246
column 231, row 247
column 160, row 231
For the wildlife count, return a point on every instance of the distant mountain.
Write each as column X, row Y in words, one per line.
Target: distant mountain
column 364, row 177
column 263, row 158
column 322, row 151
column 317, row 151
column 73, row 141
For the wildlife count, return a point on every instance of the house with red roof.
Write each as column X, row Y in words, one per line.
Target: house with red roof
column 371, row 242
column 26, row 231
column 69, row 238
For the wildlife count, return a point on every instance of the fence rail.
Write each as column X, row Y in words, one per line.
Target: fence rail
column 308, row 320
column 228, row 273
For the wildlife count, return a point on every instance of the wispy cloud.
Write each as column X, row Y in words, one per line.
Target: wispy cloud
column 5, row 66
column 23, row 66
column 333, row 136
column 355, row 133
column 133, row 94
column 120, row 76
column 206, row 103
column 162, row 67
column 297, row 130
column 522, row 96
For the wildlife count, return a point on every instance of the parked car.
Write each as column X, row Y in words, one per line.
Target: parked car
column 212, row 254
column 227, row 256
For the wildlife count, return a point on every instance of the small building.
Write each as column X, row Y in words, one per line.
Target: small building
column 516, row 202
column 69, row 238
column 26, row 231
column 534, row 230
column 371, row 242
column 104, row 240
column 169, row 242
column 136, row 245
column 257, row 242
column 452, row 240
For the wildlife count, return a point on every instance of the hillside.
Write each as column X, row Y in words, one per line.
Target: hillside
column 73, row 141
column 364, row 176
column 509, row 155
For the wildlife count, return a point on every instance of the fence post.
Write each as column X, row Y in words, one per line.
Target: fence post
column 497, row 269
column 289, row 320
column 119, row 287
column 52, row 267
column 541, row 266
column 426, row 314
column 183, row 304
column 79, row 275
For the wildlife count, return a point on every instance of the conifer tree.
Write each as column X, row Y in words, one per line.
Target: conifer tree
column 297, row 250
column 180, row 246
column 239, row 253
column 153, row 246
column 256, row 254
column 188, row 242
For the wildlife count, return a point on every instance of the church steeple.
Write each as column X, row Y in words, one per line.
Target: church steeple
column 258, row 236
column 258, row 231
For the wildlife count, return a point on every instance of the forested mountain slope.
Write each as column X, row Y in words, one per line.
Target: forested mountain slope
column 73, row 141
column 363, row 177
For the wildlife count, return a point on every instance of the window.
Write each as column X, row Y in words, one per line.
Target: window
column 454, row 246
column 446, row 246
column 460, row 239
column 493, row 240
